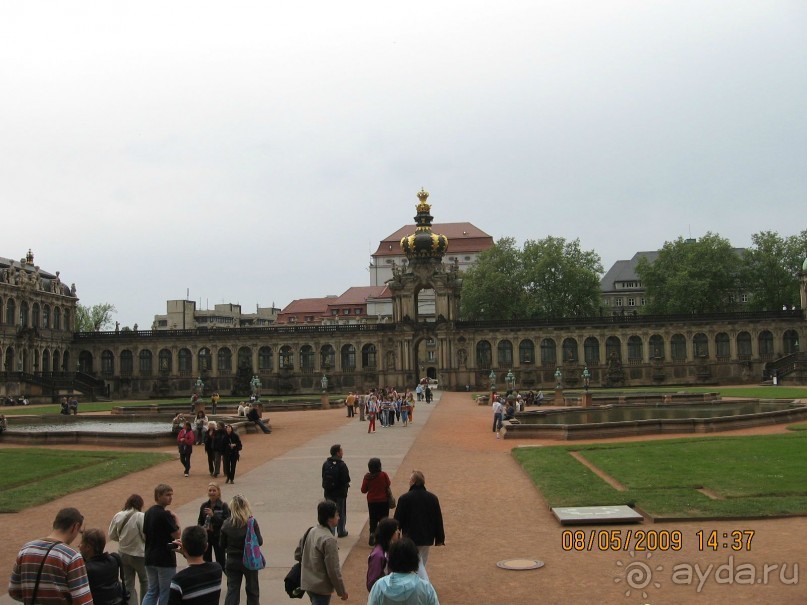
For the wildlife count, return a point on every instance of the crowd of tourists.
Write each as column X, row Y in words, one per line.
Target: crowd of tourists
column 144, row 570
column 385, row 407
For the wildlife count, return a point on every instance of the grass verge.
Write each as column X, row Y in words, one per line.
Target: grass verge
column 756, row 476
column 33, row 476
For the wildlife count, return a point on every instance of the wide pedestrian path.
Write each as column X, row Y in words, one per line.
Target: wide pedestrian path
column 284, row 492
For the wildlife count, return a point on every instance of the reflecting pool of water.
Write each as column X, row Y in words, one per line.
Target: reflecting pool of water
column 90, row 425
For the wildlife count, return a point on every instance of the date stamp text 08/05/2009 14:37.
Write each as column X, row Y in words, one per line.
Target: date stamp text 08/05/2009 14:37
column 653, row 540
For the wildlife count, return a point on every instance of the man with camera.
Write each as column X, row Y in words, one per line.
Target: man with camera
column 200, row 582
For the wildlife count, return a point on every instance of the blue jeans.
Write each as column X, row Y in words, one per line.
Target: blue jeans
column 159, row 584
column 341, row 506
column 319, row 599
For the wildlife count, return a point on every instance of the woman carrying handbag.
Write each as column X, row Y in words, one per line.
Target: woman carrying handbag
column 376, row 485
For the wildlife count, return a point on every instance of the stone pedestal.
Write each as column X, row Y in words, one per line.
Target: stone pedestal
column 585, row 400
column 325, row 401
column 558, row 397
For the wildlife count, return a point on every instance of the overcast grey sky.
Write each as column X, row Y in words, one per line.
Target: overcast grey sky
column 257, row 152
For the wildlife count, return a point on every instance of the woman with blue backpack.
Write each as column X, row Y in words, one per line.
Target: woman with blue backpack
column 239, row 534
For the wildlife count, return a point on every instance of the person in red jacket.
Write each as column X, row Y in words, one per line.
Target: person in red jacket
column 376, row 484
column 185, row 440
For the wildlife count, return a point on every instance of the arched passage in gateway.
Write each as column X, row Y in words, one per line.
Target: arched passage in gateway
column 426, row 351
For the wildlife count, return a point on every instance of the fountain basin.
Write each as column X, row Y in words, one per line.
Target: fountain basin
column 119, row 430
column 636, row 420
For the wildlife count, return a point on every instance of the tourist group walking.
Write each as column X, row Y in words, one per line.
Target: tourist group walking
column 72, row 565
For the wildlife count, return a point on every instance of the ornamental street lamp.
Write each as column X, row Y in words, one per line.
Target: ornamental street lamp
column 586, row 377
column 510, row 379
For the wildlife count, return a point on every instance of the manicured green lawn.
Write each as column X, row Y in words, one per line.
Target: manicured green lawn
column 753, row 476
column 32, row 476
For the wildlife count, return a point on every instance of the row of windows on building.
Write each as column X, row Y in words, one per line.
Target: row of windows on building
column 307, row 359
column 631, row 301
column 656, row 348
column 22, row 360
column 34, row 315
column 226, row 362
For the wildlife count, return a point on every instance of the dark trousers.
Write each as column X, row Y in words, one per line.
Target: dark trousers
column 235, row 570
column 214, row 548
column 341, row 506
column 377, row 511
column 497, row 422
column 185, row 458
column 211, row 462
column 229, row 467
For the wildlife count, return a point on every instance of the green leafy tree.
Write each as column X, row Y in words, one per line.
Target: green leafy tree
column 692, row 276
column 548, row 278
column 771, row 267
column 491, row 287
column 560, row 279
column 95, row 318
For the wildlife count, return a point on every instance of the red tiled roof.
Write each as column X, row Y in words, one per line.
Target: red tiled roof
column 308, row 305
column 462, row 237
column 357, row 295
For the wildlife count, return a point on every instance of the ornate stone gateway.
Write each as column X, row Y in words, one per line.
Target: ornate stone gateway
column 422, row 323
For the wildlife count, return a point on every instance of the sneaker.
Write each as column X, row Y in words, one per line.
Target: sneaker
column 343, row 535
column 187, row 475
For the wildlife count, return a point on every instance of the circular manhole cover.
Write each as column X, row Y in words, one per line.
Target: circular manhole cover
column 520, row 564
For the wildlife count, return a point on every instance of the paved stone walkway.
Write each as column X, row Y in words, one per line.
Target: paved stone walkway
column 492, row 512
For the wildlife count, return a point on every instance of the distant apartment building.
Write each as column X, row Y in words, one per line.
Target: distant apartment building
column 622, row 290
column 183, row 315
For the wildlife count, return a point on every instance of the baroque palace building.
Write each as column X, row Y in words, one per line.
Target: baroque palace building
column 619, row 351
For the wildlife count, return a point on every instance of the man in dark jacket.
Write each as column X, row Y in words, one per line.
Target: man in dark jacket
column 335, row 483
column 421, row 519
column 254, row 414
